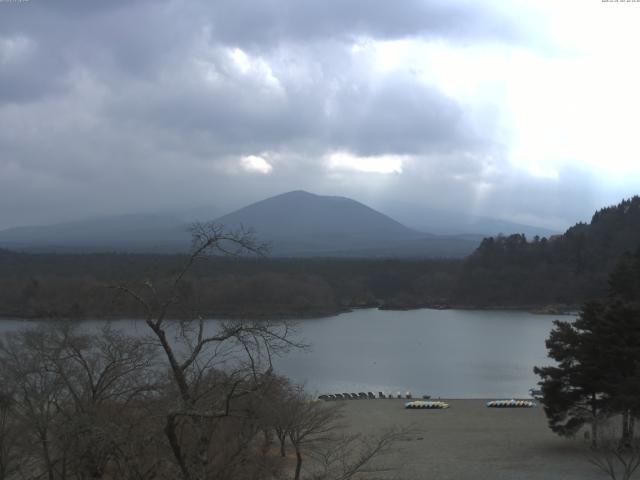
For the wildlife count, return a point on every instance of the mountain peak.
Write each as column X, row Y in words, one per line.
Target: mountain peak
column 304, row 195
column 303, row 222
column 297, row 193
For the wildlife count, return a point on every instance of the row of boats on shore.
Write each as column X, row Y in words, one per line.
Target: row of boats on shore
column 425, row 403
column 367, row 396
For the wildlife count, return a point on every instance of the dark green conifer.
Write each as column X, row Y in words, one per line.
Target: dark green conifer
column 597, row 373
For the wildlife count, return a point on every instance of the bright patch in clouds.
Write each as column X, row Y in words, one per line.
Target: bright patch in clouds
column 13, row 48
column 374, row 164
column 255, row 164
column 241, row 60
column 392, row 55
column 257, row 68
column 571, row 101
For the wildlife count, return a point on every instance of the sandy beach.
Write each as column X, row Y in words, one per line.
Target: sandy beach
column 471, row 441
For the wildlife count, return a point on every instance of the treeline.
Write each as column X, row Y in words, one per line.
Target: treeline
column 505, row 271
column 48, row 285
column 564, row 269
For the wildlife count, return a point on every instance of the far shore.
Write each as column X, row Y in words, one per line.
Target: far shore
column 469, row 441
column 535, row 309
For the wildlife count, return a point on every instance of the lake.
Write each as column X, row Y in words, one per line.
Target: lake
column 443, row 353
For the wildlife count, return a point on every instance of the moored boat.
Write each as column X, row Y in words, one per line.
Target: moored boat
column 511, row 404
column 426, row 404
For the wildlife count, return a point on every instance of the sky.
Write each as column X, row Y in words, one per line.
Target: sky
column 520, row 110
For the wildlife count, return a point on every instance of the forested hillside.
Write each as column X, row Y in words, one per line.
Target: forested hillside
column 565, row 269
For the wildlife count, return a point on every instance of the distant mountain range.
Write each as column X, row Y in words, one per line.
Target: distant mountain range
column 296, row 223
column 441, row 222
column 131, row 233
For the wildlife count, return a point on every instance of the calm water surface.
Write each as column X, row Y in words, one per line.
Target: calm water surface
column 444, row 353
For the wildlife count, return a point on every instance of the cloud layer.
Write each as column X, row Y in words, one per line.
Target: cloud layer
column 113, row 107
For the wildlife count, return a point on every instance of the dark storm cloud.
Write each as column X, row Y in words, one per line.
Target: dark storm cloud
column 134, row 33
column 26, row 71
column 134, row 39
column 400, row 116
column 256, row 24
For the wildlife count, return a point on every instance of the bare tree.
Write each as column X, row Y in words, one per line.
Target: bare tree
column 10, row 435
column 37, row 394
column 310, row 422
column 104, row 374
column 346, row 455
column 74, row 396
column 315, row 431
column 196, row 354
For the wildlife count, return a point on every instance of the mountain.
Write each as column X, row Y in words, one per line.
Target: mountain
column 299, row 223
column 302, row 223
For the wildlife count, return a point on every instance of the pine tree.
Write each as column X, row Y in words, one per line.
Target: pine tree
column 574, row 390
column 598, row 360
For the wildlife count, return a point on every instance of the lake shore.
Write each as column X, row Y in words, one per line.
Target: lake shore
column 469, row 441
column 560, row 310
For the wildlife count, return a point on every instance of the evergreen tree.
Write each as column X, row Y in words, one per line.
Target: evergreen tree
column 574, row 390
column 598, row 360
